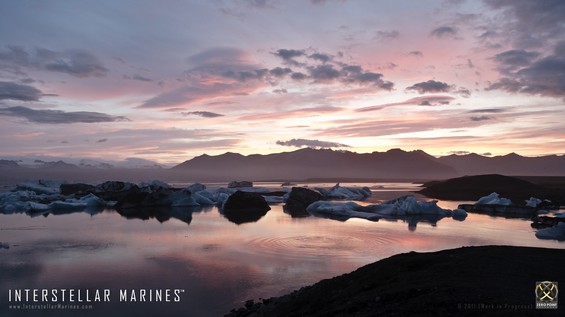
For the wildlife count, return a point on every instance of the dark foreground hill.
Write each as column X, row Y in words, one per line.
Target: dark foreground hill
column 471, row 281
column 474, row 187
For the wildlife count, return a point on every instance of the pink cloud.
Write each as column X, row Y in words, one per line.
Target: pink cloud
column 435, row 100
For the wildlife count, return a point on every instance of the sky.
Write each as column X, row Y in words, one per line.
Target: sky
column 169, row 80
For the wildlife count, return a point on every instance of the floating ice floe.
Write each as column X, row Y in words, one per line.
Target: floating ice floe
column 397, row 208
column 183, row 198
column 196, row 187
column 40, row 186
column 533, row 202
column 409, row 205
column 24, row 200
column 340, row 210
column 274, row 199
column 493, row 199
column 459, row 214
column 154, row 184
column 556, row 232
column 345, row 193
column 494, row 204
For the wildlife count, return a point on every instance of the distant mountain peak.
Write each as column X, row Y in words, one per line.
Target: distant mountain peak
column 512, row 155
column 396, row 150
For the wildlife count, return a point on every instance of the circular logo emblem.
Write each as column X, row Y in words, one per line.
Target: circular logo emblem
column 546, row 291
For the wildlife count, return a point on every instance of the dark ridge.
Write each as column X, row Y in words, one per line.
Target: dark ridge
column 470, row 281
column 474, row 187
column 311, row 163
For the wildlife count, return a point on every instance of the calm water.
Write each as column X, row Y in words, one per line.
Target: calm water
column 216, row 263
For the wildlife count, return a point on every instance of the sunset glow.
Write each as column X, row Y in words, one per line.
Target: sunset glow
column 166, row 81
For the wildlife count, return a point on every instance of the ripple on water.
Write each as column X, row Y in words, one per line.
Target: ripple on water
column 316, row 245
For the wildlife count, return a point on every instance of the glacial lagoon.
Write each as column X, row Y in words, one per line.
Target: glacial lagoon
column 215, row 264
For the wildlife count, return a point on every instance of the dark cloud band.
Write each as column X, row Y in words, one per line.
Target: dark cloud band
column 58, row 116
column 311, row 143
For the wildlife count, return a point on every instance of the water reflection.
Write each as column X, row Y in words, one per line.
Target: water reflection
column 413, row 220
column 294, row 213
column 161, row 214
column 218, row 264
column 64, row 211
column 241, row 216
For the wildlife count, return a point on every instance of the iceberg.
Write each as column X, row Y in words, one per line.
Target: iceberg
column 274, row 199
column 556, row 232
column 409, row 205
column 240, row 184
column 494, row 204
column 40, row 186
column 37, row 207
column 183, row 201
column 533, row 202
column 89, row 201
column 402, row 207
column 221, row 198
column 340, row 210
column 203, row 200
column 153, row 185
column 24, row 200
column 345, row 193
column 459, row 214
column 493, row 199
column 196, row 187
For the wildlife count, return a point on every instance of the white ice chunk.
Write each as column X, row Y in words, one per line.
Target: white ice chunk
column 14, row 202
column 493, row 199
column 409, row 205
column 33, row 206
column 202, row 199
column 339, row 209
column 533, row 202
column 345, row 193
column 274, row 199
column 556, row 232
column 400, row 207
column 66, row 205
column 40, row 186
column 221, row 198
column 92, row 200
column 459, row 214
column 183, row 198
column 86, row 202
column 196, row 187
column 153, row 184
column 208, row 194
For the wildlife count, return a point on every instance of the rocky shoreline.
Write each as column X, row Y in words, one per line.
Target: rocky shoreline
column 468, row 281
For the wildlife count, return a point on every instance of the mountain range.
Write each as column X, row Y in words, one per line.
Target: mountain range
column 326, row 163
column 302, row 164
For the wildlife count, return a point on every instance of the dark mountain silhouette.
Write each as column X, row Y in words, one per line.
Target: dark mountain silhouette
column 302, row 164
column 9, row 164
column 510, row 164
column 310, row 163
column 56, row 165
